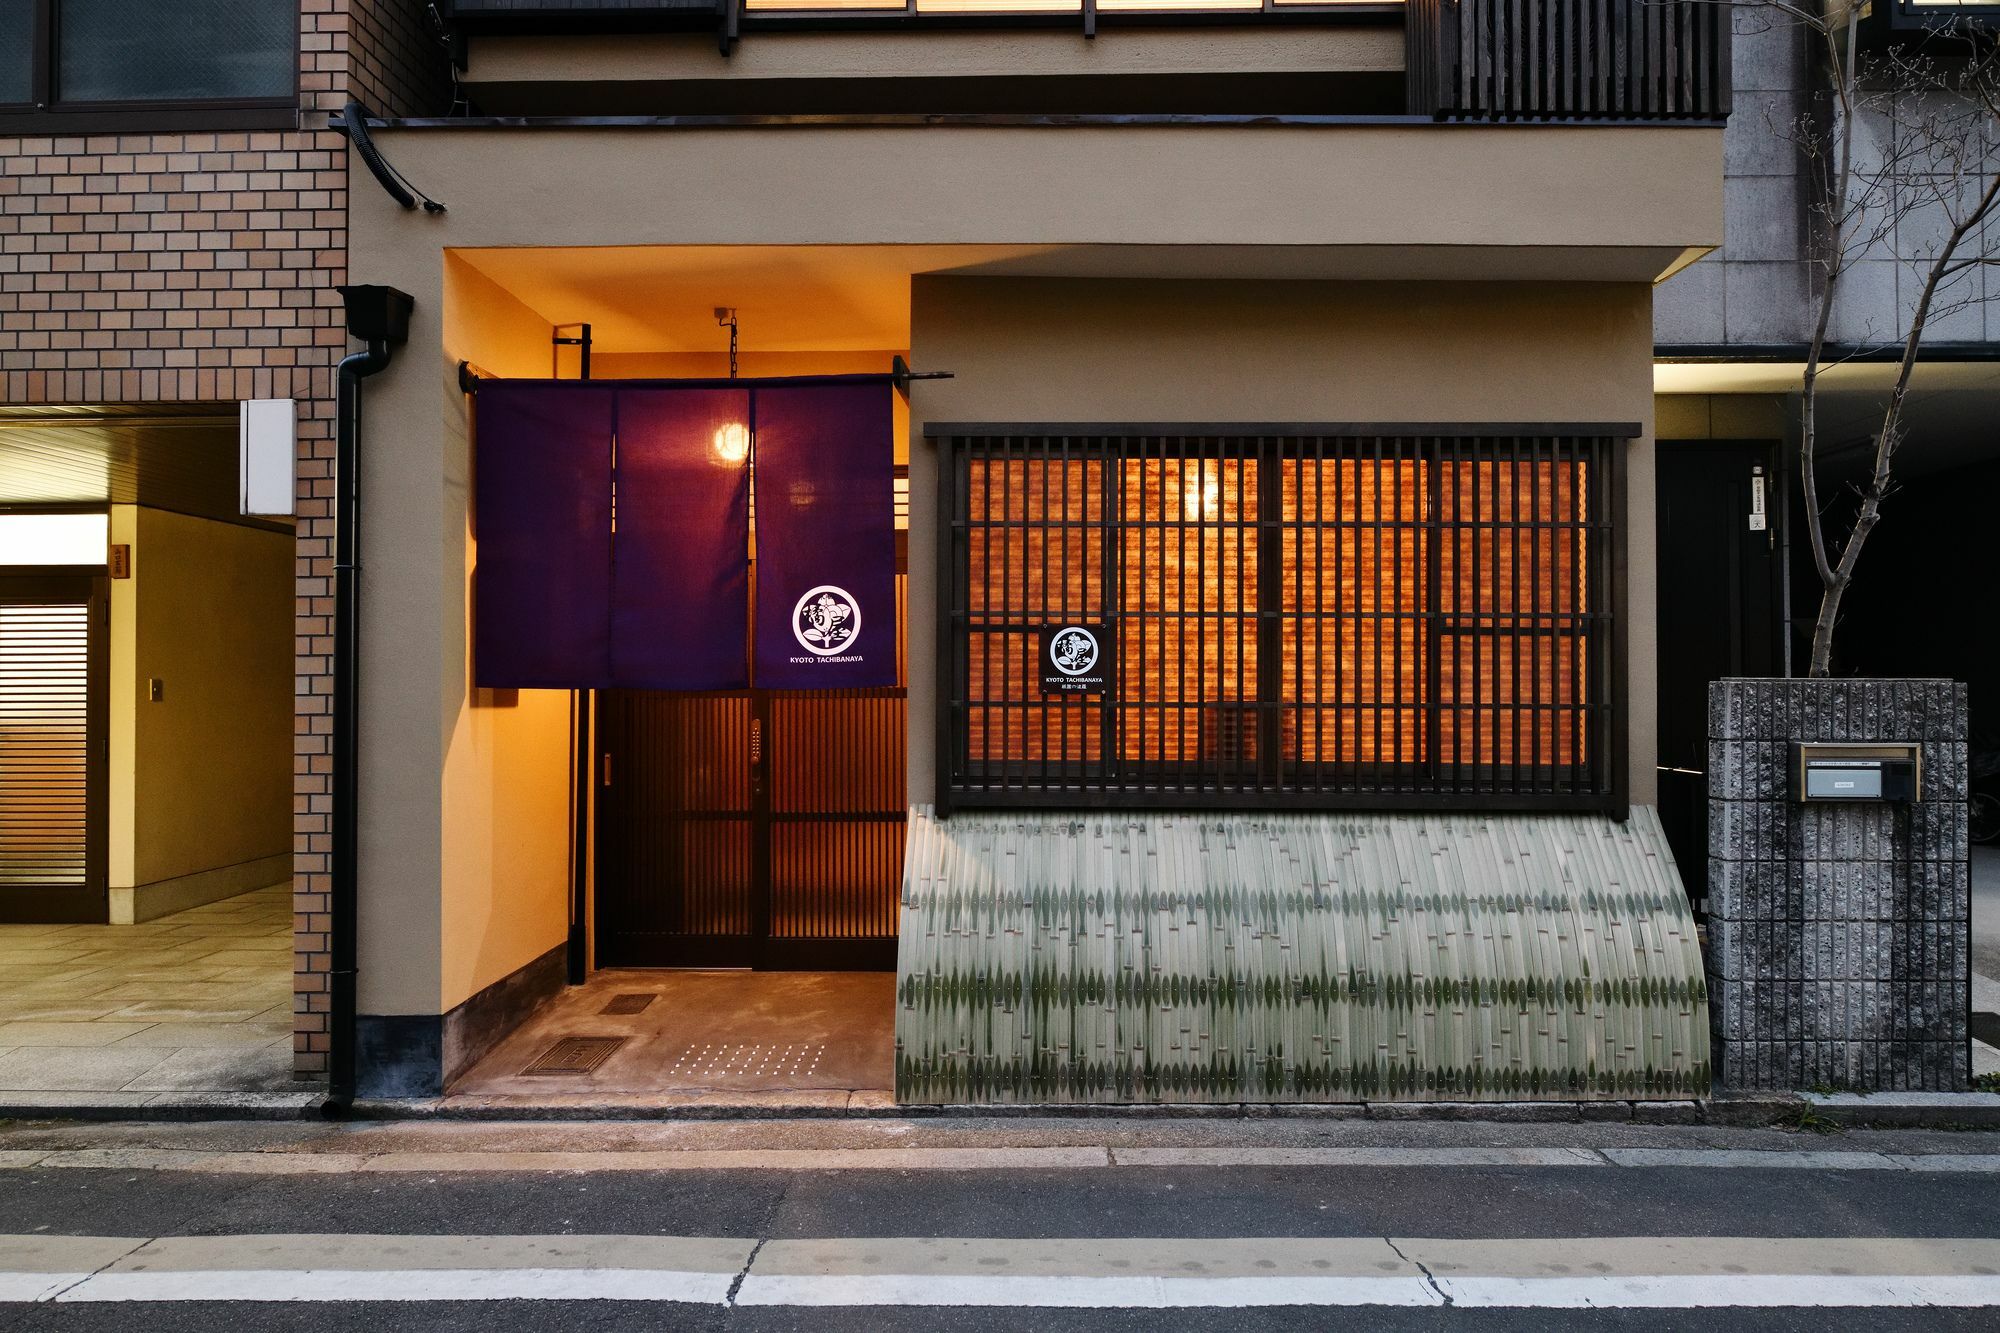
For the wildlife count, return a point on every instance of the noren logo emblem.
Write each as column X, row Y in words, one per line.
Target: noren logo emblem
column 1074, row 651
column 826, row 620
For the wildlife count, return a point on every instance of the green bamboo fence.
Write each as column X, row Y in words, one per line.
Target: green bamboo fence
column 1295, row 958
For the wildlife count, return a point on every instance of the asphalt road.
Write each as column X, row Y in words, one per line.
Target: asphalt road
column 1251, row 1204
column 1181, row 1201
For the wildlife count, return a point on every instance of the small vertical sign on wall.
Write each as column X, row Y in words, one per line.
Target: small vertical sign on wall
column 267, row 433
column 1757, row 518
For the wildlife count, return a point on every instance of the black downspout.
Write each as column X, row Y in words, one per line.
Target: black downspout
column 343, row 946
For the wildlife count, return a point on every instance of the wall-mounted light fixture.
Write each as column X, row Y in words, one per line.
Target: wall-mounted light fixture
column 1203, row 498
column 732, row 442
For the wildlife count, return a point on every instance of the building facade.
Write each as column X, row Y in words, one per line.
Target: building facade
column 1299, row 356
column 173, row 228
column 1279, row 331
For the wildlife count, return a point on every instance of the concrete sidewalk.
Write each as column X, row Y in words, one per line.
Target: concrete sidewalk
column 1137, row 1272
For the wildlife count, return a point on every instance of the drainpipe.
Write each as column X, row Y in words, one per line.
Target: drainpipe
column 379, row 317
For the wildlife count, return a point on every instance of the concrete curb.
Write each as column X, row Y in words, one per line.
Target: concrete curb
column 1899, row 1110
column 188, row 1107
column 1907, row 1110
column 493, row 1109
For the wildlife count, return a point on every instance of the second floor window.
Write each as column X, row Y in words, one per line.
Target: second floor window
column 90, row 61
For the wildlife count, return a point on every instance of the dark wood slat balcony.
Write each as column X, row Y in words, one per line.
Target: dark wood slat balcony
column 1569, row 60
column 505, row 8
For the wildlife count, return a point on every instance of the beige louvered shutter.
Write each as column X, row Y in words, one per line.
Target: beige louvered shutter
column 44, row 744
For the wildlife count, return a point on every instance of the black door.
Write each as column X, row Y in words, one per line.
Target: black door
column 53, row 752
column 750, row 829
column 1718, row 614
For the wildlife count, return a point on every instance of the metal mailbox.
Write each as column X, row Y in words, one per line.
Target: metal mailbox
column 1827, row 772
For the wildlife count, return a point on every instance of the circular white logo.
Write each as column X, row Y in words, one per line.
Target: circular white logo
column 1074, row 651
column 826, row 619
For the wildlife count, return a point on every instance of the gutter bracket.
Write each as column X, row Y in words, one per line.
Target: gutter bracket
column 353, row 122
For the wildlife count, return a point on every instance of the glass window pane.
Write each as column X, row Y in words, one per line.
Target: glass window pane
column 17, row 38
column 143, row 50
column 54, row 539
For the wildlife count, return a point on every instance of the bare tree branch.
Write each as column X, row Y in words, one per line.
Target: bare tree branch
column 1937, row 99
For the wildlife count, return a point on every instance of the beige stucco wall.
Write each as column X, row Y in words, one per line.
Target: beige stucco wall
column 1398, row 193
column 121, row 717
column 1032, row 350
column 200, row 779
column 505, row 801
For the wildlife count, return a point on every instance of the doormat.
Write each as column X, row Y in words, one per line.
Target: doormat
column 628, row 1002
column 574, row 1055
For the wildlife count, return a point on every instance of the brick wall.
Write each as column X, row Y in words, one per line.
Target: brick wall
column 202, row 268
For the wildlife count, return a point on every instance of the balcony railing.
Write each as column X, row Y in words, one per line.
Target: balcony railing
column 1574, row 60
column 1467, row 60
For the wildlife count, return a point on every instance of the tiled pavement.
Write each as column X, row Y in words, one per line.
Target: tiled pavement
column 705, row 1034
column 197, row 1002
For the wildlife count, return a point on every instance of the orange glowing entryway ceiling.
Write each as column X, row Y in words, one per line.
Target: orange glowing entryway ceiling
column 788, row 298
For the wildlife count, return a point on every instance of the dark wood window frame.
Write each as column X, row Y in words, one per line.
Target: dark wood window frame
column 1102, row 777
column 46, row 114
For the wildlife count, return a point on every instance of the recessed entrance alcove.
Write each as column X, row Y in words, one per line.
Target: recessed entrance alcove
column 727, row 856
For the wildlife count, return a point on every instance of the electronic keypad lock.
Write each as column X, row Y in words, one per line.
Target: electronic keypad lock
column 1834, row 772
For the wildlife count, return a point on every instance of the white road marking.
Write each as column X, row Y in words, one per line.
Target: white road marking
column 422, row 1284
column 16, row 1288
column 1079, row 1293
column 1712, row 1290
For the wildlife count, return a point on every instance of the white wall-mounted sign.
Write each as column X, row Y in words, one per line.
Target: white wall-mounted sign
column 267, row 436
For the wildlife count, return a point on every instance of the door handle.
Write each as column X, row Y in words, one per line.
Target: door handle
column 607, row 769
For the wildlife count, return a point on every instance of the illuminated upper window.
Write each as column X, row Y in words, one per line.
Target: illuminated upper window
column 54, row 539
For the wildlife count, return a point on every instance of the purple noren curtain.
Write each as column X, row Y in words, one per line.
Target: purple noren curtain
column 826, row 538
column 679, row 618
column 542, row 578
column 568, row 595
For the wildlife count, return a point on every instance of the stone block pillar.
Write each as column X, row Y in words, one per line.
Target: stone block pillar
column 1839, row 934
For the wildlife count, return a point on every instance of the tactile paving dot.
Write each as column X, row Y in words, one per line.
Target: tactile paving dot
column 744, row 1060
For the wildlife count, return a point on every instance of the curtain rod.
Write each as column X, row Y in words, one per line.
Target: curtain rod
column 899, row 375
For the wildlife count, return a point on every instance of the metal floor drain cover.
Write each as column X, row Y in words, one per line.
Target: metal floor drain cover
column 574, row 1055
column 628, row 1002
column 760, row 1060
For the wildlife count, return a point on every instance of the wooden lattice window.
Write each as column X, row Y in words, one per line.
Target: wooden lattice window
column 1305, row 617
